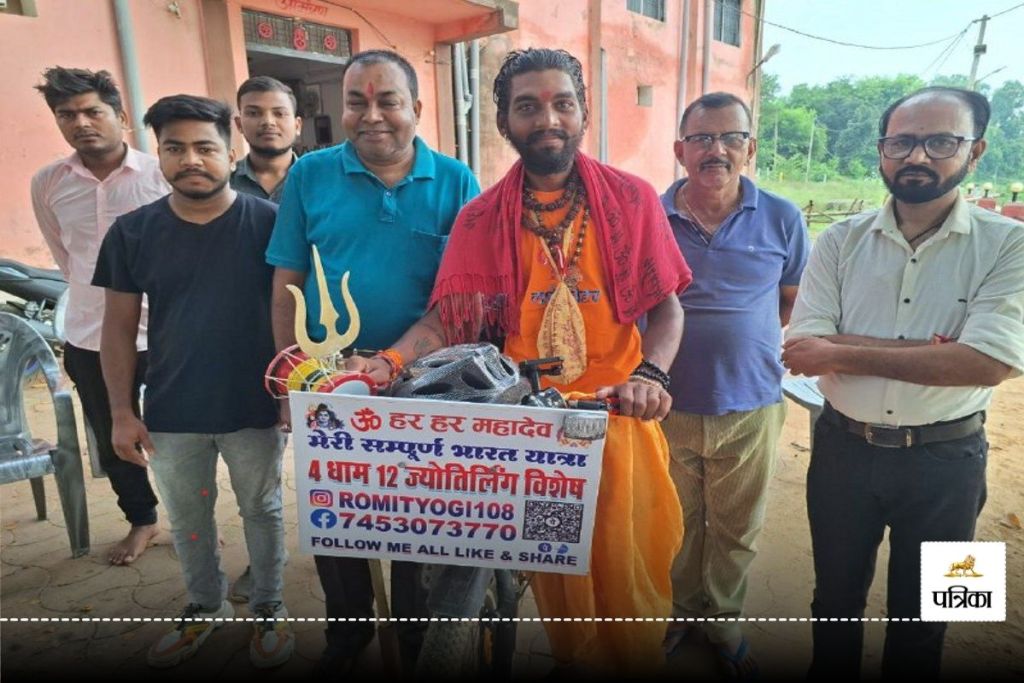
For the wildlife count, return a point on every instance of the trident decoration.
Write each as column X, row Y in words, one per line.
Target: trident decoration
column 334, row 342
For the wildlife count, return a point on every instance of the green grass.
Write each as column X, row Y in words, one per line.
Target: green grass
column 873, row 192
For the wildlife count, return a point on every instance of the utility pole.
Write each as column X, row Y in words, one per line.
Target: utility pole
column 810, row 146
column 979, row 50
column 775, row 155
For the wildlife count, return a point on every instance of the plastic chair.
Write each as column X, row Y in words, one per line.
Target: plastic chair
column 22, row 352
column 804, row 391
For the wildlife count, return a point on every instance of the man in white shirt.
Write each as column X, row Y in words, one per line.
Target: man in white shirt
column 76, row 200
column 910, row 315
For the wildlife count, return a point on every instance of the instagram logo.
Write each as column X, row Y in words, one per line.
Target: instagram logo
column 321, row 498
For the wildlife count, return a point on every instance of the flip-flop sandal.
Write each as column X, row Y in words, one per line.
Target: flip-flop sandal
column 675, row 637
column 731, row 664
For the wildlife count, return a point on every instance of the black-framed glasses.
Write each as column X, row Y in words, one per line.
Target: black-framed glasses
column 939, row 146
column 733, row 139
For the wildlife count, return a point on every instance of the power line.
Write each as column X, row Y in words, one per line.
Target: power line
column 998, row 14
column 848, row 44
column 946, row 53
column 844, row 43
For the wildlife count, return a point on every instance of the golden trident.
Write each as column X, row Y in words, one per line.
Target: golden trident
column 334, row 342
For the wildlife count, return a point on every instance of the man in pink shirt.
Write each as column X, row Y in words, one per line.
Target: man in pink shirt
column 76, row 200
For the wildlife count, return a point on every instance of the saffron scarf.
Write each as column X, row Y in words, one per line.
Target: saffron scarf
column 480, row 282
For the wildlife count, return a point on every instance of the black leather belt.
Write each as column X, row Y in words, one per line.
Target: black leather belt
column 905, row 437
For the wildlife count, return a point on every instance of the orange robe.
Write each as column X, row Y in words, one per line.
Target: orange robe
column 638, row 528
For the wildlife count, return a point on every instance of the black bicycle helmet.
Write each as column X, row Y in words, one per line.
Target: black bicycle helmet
column 473, row 373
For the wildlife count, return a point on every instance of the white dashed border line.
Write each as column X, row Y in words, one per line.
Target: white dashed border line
column 14, row 620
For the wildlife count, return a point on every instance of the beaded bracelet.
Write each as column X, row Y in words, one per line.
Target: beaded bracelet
column 394, row 360
column 645, row 380
column 649, row 371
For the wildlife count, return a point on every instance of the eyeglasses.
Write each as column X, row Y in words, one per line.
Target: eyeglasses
column 732, row 139
column 939, row 146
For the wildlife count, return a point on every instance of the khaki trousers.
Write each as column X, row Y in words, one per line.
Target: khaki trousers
column 721, row 466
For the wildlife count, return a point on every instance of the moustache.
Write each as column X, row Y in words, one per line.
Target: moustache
column 186, row 174
column 917, row 170
column 537, row 135
column 708, row 163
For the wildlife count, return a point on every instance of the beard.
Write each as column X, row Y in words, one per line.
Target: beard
column 270, row 152
column 218, row 187
column 547, row 161
column 921, row 192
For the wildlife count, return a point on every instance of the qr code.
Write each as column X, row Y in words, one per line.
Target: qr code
column 547, row 521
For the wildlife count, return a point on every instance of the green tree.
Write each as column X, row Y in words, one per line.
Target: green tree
column 1004, row 157
column 845, row 114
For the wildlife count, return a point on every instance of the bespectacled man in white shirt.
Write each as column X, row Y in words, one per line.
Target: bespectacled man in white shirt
column 910, row 315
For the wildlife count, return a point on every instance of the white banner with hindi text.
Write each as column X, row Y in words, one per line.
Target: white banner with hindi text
column 508, row 487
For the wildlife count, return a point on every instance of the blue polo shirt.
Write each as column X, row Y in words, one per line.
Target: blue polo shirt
column 729, row 358
column 390, row 239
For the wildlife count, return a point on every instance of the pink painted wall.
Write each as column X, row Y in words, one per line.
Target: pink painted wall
column 640, row 51
column 171, row 58
column 560, row 24
column 412, row 40
column 79, row 34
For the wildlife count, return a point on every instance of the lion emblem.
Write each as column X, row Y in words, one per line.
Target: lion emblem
column 962, row 568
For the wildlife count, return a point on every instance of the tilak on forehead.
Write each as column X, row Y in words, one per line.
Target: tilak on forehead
column 369, row 90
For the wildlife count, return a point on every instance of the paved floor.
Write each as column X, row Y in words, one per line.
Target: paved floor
column 40, row 580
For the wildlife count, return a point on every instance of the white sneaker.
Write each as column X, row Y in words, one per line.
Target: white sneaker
column 242, row 587
column 195, row 626
column 272, row 639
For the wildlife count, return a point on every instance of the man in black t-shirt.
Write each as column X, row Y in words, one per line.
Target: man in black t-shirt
column 198, row 256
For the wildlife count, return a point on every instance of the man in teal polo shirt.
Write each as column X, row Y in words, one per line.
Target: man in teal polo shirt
column 380, row 206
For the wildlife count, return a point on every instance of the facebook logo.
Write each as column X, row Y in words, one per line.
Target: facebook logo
column 323, row 519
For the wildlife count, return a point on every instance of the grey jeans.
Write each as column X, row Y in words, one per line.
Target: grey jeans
column 185, row 469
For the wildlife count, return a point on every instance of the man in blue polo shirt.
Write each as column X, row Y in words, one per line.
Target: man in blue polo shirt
column 747, row 249
column 380, row 206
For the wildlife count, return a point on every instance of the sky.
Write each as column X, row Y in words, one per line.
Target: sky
column 892, row 23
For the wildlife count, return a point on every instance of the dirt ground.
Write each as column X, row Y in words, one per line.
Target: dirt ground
column 40, row 580
column 782, row 575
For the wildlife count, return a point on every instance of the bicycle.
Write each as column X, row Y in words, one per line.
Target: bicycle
column 478, row 606
column 475, row 607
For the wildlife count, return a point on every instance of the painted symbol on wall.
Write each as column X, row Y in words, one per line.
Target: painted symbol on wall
column 330, row 42
column 265, row 30
column 300, row 39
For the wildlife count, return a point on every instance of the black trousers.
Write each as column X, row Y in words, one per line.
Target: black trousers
column 130, row 482
column 348, row 592
column 932, row 492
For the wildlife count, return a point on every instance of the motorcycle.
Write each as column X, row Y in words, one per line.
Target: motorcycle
column 36, row 295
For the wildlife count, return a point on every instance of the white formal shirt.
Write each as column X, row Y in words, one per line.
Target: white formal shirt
column 966, row 281
column 74, row 211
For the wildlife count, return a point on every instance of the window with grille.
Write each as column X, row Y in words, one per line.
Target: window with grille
column 727, row 21
column 655, row 9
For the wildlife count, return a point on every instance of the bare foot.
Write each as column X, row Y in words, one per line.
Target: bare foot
column 131, row 547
